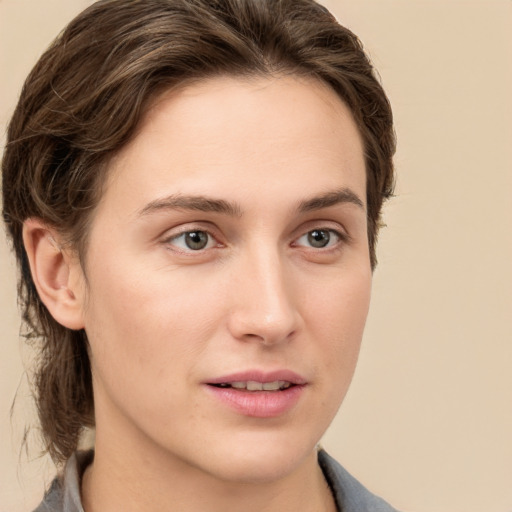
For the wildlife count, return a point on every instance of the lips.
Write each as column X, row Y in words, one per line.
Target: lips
column 258, row 394
column 252, row 385
column 259, row 377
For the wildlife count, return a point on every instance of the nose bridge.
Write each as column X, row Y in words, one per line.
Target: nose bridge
column 263, row 306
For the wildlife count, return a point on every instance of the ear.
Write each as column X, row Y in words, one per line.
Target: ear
column 56, row 273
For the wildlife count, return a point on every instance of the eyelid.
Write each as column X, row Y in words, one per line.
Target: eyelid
column 323, row 225
column 341, row 238
column 174, row 233
column 183, row 247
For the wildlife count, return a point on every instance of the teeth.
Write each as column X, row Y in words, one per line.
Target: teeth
column 252, row 385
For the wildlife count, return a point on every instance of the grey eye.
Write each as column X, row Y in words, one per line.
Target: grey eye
column 193, row 240
column 319, row 238
column 196, row 240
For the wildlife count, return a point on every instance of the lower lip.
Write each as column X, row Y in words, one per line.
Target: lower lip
column 259, row 404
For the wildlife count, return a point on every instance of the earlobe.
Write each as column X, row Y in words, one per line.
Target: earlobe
column 52, row 268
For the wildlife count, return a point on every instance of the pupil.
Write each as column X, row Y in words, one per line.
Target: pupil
column 196, row 240
column 319, row 238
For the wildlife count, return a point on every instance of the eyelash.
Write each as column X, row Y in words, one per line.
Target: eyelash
column 189, row 232
column 339, row 237
column 212, row 241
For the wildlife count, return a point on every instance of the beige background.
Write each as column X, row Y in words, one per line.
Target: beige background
column 428, row 421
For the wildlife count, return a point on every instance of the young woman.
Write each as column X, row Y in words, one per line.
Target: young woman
column 193, row 190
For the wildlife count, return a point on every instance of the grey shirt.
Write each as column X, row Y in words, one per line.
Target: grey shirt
column 349, row 494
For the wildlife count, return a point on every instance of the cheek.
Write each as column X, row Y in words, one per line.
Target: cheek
column 339, row 317
column 149, row 321
column 341, row 304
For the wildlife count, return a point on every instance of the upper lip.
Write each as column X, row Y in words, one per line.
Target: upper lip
column 259, row 376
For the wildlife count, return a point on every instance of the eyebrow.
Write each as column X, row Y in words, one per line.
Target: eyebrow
column 207, row 204
column 197, row 203
column 344, row 195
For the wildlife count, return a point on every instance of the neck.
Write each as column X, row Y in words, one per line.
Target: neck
column 133, row 482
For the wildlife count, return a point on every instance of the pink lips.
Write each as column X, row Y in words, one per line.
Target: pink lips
column 260, row 403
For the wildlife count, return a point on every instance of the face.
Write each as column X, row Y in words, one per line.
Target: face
column 228, row 277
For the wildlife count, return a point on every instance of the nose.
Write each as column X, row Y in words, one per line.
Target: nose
column 264, row 305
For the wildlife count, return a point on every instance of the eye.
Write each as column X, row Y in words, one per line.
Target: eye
column 195, row 240
column 319, row 238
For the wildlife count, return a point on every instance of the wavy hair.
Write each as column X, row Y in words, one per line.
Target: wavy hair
column 83, row 101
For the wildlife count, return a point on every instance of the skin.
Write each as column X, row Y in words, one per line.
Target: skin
column 163, row 319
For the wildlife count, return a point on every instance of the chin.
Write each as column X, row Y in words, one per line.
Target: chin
column 259, row 461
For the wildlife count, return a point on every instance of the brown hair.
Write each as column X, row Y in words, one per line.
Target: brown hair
column 83, row 100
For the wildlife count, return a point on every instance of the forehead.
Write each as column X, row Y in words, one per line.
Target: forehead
column 241, row 132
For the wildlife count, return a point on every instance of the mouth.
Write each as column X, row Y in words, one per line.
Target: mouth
column 256, row 380
column 252, row 385
column 259, row 394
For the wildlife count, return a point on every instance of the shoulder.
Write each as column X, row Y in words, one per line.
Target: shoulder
column 350, row 495
column 64, row 492
column 52, row 501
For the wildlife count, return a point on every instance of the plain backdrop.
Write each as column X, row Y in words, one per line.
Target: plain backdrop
column 427, row 423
